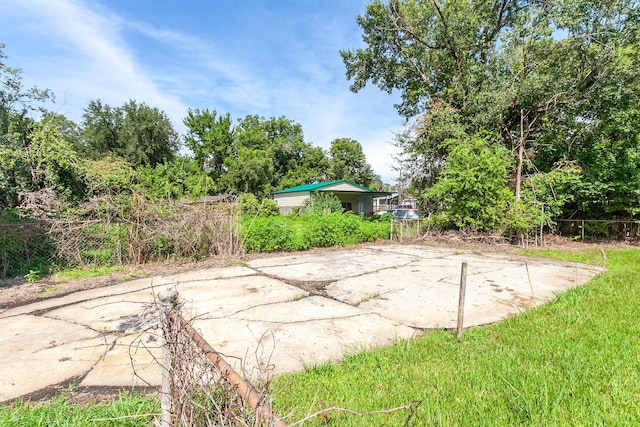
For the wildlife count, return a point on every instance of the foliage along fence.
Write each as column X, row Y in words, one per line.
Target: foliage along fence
column 598, row 229
column 177, row 231
column 25, row 247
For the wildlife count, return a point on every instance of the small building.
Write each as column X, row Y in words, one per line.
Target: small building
column 354, row 197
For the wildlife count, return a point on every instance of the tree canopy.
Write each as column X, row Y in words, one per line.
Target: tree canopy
column 558, row 80
column 349, row 162
column 139, row 133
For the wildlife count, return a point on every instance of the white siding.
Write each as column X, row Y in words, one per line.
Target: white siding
column 287, row 201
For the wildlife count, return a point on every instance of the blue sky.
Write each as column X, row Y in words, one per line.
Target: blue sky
column 272, row 58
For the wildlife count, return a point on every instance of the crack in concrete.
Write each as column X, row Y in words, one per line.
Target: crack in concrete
column 66, row 343
column 151, row 286
column 227, row 316
column 43, row 311
column 99, row 332
column 390, row 291
column 319, row 319
column 108, row 348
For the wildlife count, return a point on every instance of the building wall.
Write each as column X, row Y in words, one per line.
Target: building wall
column 360, row 202
column 287, row 201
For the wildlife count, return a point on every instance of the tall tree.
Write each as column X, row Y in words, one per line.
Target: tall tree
column 537, row 72
column 294, row 161
column 349, row 162
column 250, row 171
column 149, row 135
column 21, row 171
column 210, row 137
column 141, row 134
column 16, row 103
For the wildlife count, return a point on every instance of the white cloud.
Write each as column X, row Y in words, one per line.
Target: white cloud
column 93, row 60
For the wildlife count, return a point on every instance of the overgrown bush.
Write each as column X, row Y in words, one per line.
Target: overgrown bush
column 472, row 188
column 252, row 207
column 271, row 234
column 293, row 233
column 333, row 229
column 323, row 203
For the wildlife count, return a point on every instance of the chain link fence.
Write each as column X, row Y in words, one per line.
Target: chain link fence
column 599, row 229
column 184, row 232
column 25, row 247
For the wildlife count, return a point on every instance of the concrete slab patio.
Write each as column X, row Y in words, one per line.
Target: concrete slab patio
column 290, row 311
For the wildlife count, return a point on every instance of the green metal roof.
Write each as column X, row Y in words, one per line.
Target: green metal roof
column 321, row 185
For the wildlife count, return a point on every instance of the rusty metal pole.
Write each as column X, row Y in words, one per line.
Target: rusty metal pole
column 168, row 302
column 463, row 290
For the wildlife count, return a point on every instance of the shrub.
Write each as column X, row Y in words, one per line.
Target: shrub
column 472, row 187
column 268, row 235
column 293, row 233
column 323, row 203
column 252, row 207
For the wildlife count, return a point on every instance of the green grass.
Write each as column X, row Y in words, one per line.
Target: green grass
column 84, row 272
column 129, row 410
column 571, row 362
column 591, row 256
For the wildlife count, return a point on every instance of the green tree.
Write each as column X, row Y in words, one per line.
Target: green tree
column 181, row 177
column 545, row 76
column 149, row 135
column 49, row 161
column 16, row 103
column 295, row 162
column 16, row 127
column 250, row 171
column 349, row 162
column 472, row 190
column 210, row 138
column 141, row 134
column 102, row 129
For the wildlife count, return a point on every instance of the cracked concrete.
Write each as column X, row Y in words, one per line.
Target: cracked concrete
column 289, row 311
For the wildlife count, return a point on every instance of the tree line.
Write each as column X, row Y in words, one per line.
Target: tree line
column 519, row 112
column 135, row 148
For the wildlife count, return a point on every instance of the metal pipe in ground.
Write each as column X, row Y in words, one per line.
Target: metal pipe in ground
column 463, row 291
column 168, row 302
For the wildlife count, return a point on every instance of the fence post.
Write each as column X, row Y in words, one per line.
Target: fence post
column 463, row 290
column 168, row 301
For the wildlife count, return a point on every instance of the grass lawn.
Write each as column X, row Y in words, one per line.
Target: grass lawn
column 127, row 410
column 572, row 362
